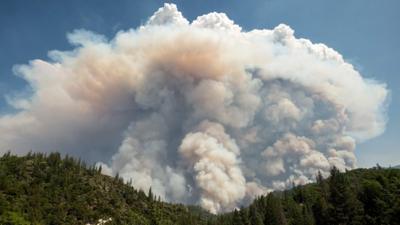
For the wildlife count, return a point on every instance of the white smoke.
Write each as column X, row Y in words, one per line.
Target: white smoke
column 200, row 111
column 212, row 156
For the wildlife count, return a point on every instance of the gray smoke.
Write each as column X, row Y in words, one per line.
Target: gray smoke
column 200, row 111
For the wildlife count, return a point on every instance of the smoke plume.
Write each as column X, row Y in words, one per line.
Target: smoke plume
column 203, row 112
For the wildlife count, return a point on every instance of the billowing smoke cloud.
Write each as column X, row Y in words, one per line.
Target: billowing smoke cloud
column 200, row 111
column 212, row 156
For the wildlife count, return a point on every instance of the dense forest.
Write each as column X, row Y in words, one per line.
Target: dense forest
column 40, row 189
column 357, row 197
column 50, row 189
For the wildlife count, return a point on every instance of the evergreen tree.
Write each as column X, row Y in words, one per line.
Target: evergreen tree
column 150, row 195
column 320, row 207
column 40, row 189
column 307, row 216
column 337, row 211
column 320, row 211
column 244, row 215
column 345, row 207
column 274, row 211
column 255, row 217
column 236, row 219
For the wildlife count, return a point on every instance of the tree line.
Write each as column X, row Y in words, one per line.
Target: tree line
column 357, row 197
column 38, row 189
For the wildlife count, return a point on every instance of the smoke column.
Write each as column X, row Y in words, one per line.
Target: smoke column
column 203, row 112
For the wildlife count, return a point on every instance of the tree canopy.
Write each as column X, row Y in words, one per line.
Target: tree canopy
column 51, row 189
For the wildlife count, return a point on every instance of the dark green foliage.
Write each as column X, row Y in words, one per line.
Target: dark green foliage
column 236, row 219
column 274, row 214
column 39, row 189
column 361, row 196
column 255, row 216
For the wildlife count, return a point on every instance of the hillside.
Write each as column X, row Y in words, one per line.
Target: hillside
column 40, row 189
column 361, row 196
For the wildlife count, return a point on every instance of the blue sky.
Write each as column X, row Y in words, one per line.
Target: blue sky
column 365, row 32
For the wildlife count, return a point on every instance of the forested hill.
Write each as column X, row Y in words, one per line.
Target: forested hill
column 40, row 189
column 357, row 197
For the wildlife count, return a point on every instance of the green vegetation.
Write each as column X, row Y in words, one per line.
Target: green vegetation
column 49, row 189
column 40, row 189
column 357, row 197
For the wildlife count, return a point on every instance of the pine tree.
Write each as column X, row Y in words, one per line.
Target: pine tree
column 294, row 213
column 323, row 188
column 320, row 208
column 345, row 207
column 150, row 195
column 307, row 216
column 236, row 219
column 255, row 217
column 274, row 211
column 337, row 198
column 244, row 215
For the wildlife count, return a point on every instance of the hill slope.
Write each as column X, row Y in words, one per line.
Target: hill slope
column 361, row 196
column 40, row 189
